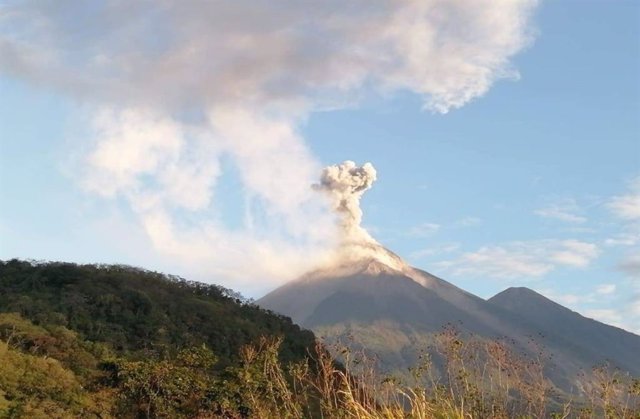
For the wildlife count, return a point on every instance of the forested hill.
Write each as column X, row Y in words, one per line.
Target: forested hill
column 130, row 309
column 106, row 341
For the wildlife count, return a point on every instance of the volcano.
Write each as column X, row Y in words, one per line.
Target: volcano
column 371, row 299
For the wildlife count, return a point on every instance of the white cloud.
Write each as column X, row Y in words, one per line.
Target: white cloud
column 496, row 262
column 574, row 253
column 580, row 230
column 606, row 289
column 631, row 312
column 189, row 83
column 162, row 168
column 625, row 315
column 627, row 206
column 566, row 210
column 623, row 239
column 521, row 259
column 609, row 316
column 191, row 53
column 134, row 144
column 570, row 300
column 634, row 307
column 576, row 301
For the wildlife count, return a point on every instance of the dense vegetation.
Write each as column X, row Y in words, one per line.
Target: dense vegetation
column 134, row 310
column 113, row 341
column 69, row 330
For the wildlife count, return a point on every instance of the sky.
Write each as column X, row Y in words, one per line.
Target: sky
column 505, row 137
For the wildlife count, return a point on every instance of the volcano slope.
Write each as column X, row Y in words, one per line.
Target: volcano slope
column 376, row 302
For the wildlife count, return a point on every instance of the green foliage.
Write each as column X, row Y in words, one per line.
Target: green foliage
column 43, row 373
column 180, row 387
column 124, row 341
column 133, row 310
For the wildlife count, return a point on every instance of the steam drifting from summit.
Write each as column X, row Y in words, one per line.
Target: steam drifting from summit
column 346, row 183
column 179, row 90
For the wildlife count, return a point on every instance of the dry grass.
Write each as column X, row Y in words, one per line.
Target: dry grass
column 472, row 379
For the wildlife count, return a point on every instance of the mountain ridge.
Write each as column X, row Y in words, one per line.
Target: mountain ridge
column 361, row 295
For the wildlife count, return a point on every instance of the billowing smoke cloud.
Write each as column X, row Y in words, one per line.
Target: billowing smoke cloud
column 190, row 55
column 345, row 183
column 182, row 89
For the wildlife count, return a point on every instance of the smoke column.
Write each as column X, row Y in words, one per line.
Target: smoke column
column 345, row 184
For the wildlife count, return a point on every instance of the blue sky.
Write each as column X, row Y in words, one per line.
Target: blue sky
column 534, row 183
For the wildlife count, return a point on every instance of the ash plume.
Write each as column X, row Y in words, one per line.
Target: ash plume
column 177, row 91
column 345, row 184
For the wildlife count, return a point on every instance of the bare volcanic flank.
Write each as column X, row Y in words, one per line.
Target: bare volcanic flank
column 587, row 338
column 392, row 309
column 381, row 286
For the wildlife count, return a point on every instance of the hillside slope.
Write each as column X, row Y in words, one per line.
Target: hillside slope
column 114, row 341
column 586, row 339
column 132, row 309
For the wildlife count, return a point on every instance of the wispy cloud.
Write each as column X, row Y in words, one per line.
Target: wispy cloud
column 623, row 239
column 634, row 306
column 605, row 315
column 573, row 253
column 606, row 289
column 435, row 250
column 424, row 230
column 577, row 301
column 428, row 229
column 467, row 222
column 566, row 210
column 568, row 299
column 532, row 259
column 627, row 206
column 630, row 265
column 630, row 311
column 624, row 312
